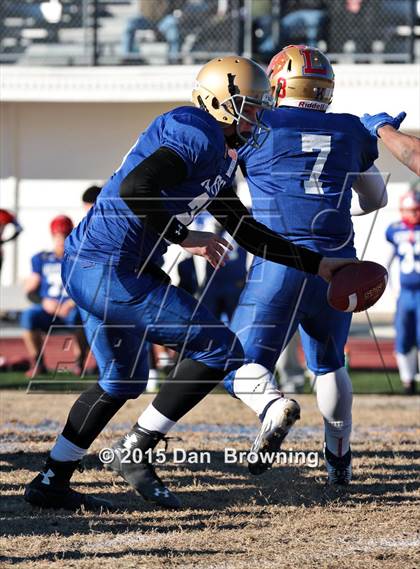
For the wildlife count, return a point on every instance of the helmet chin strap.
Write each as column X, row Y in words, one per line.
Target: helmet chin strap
column 234, row 139
column 231, row 137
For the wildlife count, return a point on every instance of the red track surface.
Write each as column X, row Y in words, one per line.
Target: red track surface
column 362, row 352
column 58, row 352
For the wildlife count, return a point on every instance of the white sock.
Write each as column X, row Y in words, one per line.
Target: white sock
column 163, row 361
column 334, row 397
column 64, row 450
column 255, row 386
column 407, row 365
column 152, row 420
column 153, row 381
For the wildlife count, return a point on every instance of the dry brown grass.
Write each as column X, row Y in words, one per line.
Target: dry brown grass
column 285, row 518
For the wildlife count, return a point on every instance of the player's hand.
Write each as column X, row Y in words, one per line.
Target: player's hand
column 65, row 308
column 208, row 245
column 49, row 305
column 373, row 122
column 329, row 265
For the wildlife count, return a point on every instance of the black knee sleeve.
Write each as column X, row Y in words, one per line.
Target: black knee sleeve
column 187, row 384
column 89, row 415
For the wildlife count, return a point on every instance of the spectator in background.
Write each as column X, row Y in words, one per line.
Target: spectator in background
column 354, row 6
column 168, row 26
column 52, row 304
column 366, row 27
column 148, row 15
column 188, row 19
column 404, row 236
column 301, row 21
column 172, row 19
column 353, row 27
column 7, row 218
column 89, row 196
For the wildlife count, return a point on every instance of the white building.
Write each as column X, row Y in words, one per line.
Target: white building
column 63, row 129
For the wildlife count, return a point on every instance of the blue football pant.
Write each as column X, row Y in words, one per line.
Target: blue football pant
column 274, row 304
column 123, row 312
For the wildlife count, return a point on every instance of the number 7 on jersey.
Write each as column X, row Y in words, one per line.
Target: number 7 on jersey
column 312, row 143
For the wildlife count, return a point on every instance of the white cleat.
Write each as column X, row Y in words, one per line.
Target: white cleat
column 278, row 420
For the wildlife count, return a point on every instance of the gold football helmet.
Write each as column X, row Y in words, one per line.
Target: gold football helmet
column 301, row 76
column 232, row 89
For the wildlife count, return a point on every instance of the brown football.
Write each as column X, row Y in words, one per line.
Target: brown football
column 357, row 287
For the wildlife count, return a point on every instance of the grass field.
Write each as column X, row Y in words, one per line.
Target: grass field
column 285, row 518
column 363, row 382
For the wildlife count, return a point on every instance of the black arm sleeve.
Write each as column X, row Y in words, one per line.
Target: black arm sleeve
column 258, row 239
column 141, row 189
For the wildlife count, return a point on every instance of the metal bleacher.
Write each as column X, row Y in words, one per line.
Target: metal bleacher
column 90, row 32
column 24, row 26
column 27, row 38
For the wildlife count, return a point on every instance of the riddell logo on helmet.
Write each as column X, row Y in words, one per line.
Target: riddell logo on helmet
column 312, row 105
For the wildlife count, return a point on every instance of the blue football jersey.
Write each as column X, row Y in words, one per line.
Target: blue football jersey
column 111, row 232
column 406, row 241
column 300, row 179
column 48, row 266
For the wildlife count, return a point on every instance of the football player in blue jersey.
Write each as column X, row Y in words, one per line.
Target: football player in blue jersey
column 405, row 239
column 176, row 168
column 301, row 183
column 52, row 305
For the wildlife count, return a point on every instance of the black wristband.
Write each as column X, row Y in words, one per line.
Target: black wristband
column 176, row 231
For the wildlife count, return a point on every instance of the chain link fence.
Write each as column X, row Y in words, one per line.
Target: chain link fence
column 124, row 32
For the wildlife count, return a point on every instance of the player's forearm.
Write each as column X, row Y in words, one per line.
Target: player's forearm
column 258, row 239
column 404, row 147
column 141, row 192
column 360, row 207
column 371, row 192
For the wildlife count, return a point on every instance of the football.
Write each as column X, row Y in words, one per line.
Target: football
column 357, row 287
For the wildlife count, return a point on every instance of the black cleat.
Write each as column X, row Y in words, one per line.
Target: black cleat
column 410, row 387
column 51, row 489
column 338, row 468
column 131, row 461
